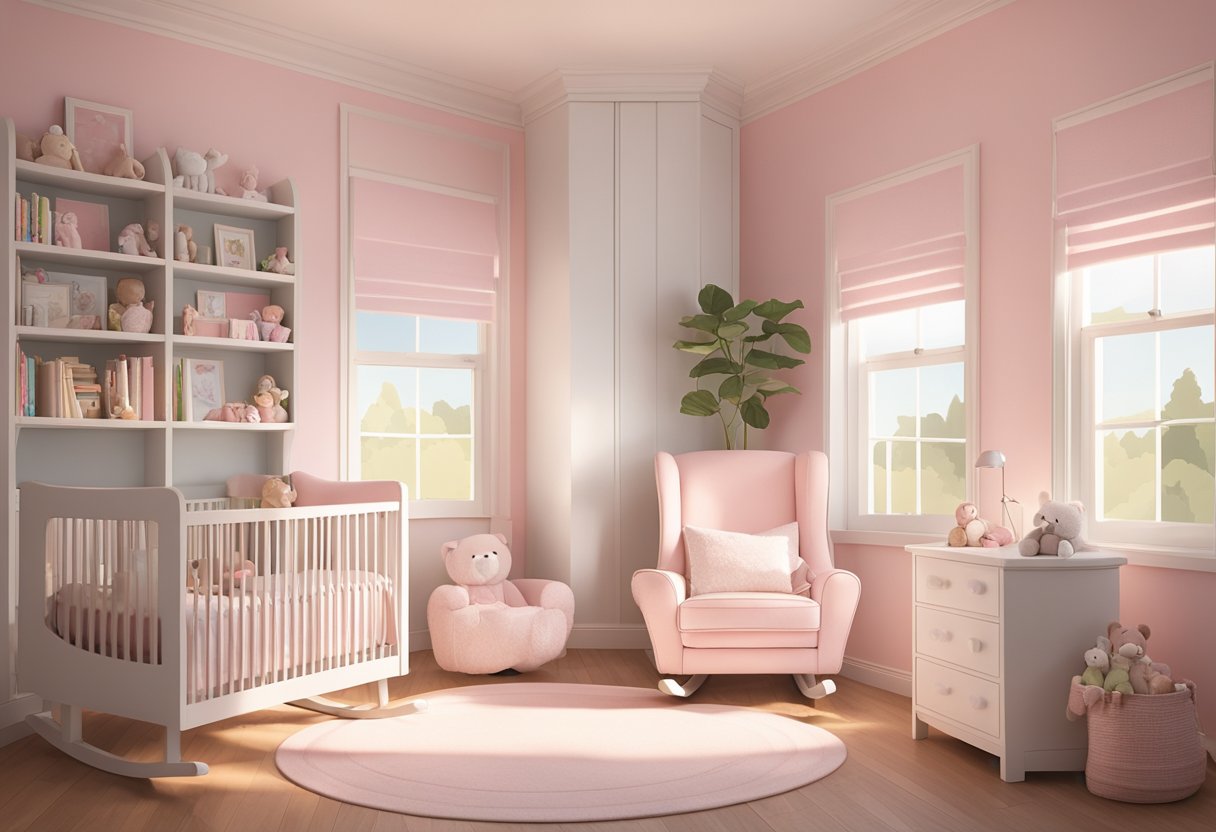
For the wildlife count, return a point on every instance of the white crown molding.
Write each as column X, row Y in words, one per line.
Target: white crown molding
column 645, row 84
column 280, row 46
column 900, row 30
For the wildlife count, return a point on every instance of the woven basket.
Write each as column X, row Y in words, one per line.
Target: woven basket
column 1142, row 748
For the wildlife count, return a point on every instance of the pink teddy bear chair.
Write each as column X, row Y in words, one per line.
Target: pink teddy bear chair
column 488, row 624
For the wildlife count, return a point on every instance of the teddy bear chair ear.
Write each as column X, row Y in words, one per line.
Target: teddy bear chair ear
column 501, row 538
column 449, row 547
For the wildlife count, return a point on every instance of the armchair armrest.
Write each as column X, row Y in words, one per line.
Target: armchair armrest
column 448, row 597
column 658, row 594
column 837, row 591
column 554, row 595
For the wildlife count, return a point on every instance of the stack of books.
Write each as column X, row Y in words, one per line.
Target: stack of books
column 33, row 221
column 66, row 388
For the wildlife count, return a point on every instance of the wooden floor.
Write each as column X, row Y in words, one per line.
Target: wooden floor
column 888, row 782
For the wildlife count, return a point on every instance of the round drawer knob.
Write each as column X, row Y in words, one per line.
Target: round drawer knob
column 976, row 645
column 937, row 582
column 940, row 635
column 943, row 689
column 977, row 587
column 979, row 703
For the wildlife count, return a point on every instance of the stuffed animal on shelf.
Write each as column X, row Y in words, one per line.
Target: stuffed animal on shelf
column 249, row 185
column 185, row 250
column 27, row 149
column 124, row 166
column 233, row 412
column 484, row 623
column 57, row 150
column 196, row 171
column 277, row 494
column 67, row 234
column 1057, row 529
column 269, row 323
column 1144, row 675
column 972, row 530
column 131, row 240
column 266, row 385
column 278, row 262
column 131, row 313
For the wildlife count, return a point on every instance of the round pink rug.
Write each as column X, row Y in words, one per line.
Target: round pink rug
column 558, row 752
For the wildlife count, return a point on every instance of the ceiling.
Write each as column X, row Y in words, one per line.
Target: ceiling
column 482, row 54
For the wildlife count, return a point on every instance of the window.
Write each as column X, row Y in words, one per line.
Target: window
column 902, row 257
column 1147, row 339
column 424, row 328
column 1136, row 330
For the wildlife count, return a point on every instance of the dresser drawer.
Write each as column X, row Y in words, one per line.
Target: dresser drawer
column 962, row 586
column 960, row 640
column 959, row 696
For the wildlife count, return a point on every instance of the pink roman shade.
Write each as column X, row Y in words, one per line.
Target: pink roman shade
column 422, row 252
column 1135, row 177
column 902, row 246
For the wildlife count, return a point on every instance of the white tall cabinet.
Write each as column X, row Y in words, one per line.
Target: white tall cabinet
column 632, row 206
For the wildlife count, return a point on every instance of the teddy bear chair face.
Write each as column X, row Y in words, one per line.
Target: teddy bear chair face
column 727, row 599
column 485, row 623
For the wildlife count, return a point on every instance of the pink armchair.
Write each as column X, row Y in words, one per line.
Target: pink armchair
column 802, row 633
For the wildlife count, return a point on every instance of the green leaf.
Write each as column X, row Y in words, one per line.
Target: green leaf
column 699, row 403
column 771, row 360
column 775, row 385
column 755, row 339
column 794, row 335
column 753, row 412
column 697, row 347
column 731, row 331
column 731, row 389
column 705, row 323
column 774, row 310
column 713, row 366
column 738, row 313
column 785, row 388
column 714, row 300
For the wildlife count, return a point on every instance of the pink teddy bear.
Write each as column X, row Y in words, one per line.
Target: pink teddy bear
column 972, row 530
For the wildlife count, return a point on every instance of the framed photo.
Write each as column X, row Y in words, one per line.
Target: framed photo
column 234, row 247
column 88, row 298
column 205, row 381
column 97, row 130
column 48, row 304
column 212, row 304
column 92, row 221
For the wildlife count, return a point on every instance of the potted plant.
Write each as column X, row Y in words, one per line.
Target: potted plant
column 730, row 346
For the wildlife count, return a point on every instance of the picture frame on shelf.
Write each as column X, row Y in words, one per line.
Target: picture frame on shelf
column 45, row 304
column 89, row 294
column 235, row 247
column 97, row 130
column 204, row 381
column 212, row 305
column 92, row 221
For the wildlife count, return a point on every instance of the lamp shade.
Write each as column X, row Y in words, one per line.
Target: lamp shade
column 990, row 459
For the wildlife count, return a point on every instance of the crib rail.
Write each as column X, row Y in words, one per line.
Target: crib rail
column 277, row 594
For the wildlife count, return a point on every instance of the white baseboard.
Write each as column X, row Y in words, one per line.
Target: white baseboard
column 879, row 676
column 420, row 640
column 609, row 637
column 13, row 714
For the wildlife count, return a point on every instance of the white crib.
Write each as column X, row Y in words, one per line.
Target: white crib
column 128, row 606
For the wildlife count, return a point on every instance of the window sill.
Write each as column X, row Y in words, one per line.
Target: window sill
column 895, row 540
column 1193, row 560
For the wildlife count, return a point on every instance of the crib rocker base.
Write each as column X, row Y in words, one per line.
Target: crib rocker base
column 65, row 736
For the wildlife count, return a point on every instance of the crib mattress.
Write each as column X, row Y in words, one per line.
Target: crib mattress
column 267, row 629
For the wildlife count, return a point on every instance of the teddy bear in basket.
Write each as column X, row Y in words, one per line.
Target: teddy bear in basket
column 488, row 624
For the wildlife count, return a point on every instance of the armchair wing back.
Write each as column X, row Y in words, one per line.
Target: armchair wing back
column 745, row 492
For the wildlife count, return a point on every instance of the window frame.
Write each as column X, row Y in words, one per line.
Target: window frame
column 480, row 425
column 492, row 450
column 848, row 382
column 1078, row 432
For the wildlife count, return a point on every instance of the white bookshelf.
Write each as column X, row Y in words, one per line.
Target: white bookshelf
column 193, row 456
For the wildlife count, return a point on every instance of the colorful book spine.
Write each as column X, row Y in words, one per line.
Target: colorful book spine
column 17, row 216
column 44, row 219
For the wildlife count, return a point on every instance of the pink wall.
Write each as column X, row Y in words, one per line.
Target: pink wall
column 284, row 122
column 998, row 81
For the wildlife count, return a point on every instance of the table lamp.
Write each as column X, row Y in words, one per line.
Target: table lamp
column 1011, row 509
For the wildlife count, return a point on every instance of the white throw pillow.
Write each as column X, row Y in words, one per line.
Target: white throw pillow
column 790, row 532
column 721, row 561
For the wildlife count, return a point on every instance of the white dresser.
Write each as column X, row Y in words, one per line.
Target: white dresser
column 997, row 637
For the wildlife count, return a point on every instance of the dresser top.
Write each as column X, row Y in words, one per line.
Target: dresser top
column 1008, row 557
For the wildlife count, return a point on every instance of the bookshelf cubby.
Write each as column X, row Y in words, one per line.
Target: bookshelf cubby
column 192, row 456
